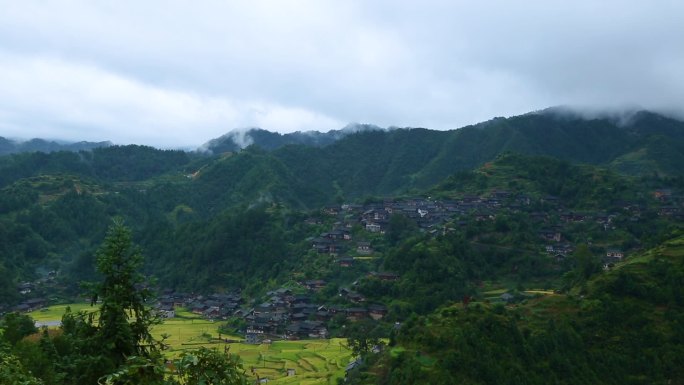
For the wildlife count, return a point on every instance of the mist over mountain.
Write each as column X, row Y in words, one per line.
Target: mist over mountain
column 573, row 133
column 240, row 138
column 9, row 146
column 376, row 162
column 307, row 169
column 531, row 206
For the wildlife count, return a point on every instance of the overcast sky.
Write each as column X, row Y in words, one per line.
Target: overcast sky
column 178, row 73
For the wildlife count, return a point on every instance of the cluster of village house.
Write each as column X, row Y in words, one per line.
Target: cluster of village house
column 296, row 316
column 28, row 291
column 283, row 315
column 435, row 217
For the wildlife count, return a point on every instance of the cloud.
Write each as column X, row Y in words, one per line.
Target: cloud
column 81, row 102
column 174, row 73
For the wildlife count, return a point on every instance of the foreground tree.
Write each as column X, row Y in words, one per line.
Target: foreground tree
column 121, row 339
column 113, row 345
column 200, row 367
column 104, row 342
column 211, row 367
column 12, row 371
column 16, row 326
column 125, row 315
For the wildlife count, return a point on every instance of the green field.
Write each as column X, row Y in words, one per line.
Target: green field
column 189, row 331
column 314, row 361
column 54, row 313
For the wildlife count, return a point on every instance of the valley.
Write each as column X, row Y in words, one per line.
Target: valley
column 281, row 362
column 486, row 253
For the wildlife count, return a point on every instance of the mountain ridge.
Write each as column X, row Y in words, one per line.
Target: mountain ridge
column 515, row 251
column 239, row 139
column 378, row 162
column 10, row 146
column 631, row 121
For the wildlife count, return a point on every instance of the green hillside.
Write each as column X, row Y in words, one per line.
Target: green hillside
column 241, row 211
column 625, row 327
column 543, row 247
column 374, row 162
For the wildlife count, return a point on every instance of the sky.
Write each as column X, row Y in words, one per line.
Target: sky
column 176, row 74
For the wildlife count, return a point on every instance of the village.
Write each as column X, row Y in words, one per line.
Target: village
column 287, row 314
column 294, row 313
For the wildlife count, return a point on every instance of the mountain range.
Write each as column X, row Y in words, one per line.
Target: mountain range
column 9, row 146
column 541, row 246
column 311, row 169
column 239, row 139
column 378, row 162
column 637, row 143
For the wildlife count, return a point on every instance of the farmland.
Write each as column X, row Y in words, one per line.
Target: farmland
column 313, row 361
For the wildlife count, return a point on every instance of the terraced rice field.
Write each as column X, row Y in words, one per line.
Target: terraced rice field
column 314, row 361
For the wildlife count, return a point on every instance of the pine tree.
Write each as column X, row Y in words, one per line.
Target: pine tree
column 125, row 317
column 118, row 336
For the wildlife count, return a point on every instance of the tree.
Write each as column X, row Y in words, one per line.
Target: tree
column 17, row 326
column 122, row 332
column 39, row 358
column 12, row 371
column 362, row 336
column 125, row 318
column 400, row 227
column 201, row 367
column 587, row 264
column 109, row 340
column 8, row 290
column 210, row 367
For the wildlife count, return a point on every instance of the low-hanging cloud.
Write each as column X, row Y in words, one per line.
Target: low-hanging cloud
column 178, row 74
column 81, row 102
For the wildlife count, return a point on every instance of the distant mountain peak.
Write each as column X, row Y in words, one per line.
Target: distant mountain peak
column 237, row 139
column 622, row 116
column 12, row 146
column 359, row 127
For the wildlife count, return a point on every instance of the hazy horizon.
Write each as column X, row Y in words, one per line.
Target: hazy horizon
column 623, row 114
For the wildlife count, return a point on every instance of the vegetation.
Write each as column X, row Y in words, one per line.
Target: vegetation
column 113, row 345
column 314, row 361
column 626, row 329
column 507, row 279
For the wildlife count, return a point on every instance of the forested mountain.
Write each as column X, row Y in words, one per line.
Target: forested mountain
column 377, row 162
column 8, row 146
column 416, row 222
column 55, row 205
column 381, row 163
column 239, row 139
column 392, row 162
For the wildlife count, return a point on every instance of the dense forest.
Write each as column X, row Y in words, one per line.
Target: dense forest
column 544, row 247
column 625, row 327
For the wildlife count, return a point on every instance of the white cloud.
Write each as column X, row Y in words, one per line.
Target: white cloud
column 72, row 101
